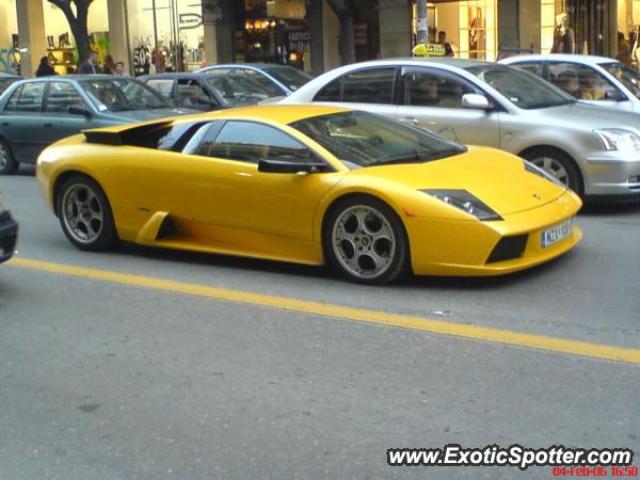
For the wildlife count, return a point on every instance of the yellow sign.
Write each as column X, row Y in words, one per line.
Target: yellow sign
column 429, row 50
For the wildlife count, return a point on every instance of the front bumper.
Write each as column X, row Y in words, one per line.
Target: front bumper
column 613, row 174
column 8, row 236
column 457, row 248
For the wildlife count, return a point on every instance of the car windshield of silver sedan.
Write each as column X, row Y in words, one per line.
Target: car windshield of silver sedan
column 360, row 139
column 289, row 76
column 523, row 89
column 119, row 95
column 625, row 75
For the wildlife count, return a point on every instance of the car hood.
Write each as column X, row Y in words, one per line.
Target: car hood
column 495, row 177
column 142, row 115
column 590, row 116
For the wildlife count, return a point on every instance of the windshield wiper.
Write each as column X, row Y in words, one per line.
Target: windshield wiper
column 415, row 158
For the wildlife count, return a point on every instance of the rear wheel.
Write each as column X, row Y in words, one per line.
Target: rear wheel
column 365, row 241
column 557, row 164
column 8, row 163
column 85, row 214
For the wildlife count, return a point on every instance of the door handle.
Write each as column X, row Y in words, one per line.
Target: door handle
column 47, row 124
column 5, row 124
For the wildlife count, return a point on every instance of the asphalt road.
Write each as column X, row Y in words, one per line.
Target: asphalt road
column 101, row 379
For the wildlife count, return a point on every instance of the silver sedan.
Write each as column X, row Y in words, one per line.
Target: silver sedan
column 593, row 150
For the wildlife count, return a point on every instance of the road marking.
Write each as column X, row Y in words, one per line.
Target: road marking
column 540, row 342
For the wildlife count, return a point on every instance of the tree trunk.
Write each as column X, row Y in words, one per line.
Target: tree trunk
column 78, row 24
column 347, row 42
column 343, row 10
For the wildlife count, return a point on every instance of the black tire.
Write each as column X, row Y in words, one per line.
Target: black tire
column 100, row 234
column 573, row 180
column 8, row 163
column 398, row 262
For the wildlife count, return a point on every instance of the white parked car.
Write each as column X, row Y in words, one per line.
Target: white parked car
column 597, row 80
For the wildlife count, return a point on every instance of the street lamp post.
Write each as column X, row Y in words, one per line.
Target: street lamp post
column 422, row 21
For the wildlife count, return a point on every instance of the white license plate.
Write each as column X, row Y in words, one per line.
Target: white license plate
column 555, row 234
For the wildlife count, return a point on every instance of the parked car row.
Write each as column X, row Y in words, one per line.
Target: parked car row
column 594, row 151
column 335, row 182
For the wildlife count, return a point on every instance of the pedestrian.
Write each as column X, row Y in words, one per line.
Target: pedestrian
column 120, row 71
column 109, row 65
column 89, row 67
column 44, row 69
column 442, row 40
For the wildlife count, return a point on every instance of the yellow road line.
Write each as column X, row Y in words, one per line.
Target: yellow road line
column 541, row 342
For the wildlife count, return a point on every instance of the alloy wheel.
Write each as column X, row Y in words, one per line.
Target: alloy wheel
column 363, row 241
column 554, row 168
column 82, row 213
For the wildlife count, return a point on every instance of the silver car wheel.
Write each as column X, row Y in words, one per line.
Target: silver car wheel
column 553, row 167
column 4, row 157
column 363, row 241
column 82, row 213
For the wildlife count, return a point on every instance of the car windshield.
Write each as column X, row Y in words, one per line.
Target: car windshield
column 119, row 95
column 289, row 76
column 361, row 139
column 523, row 89
column 626, row 75
column 242, row 87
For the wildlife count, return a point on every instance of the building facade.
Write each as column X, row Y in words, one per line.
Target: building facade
column 182, row 35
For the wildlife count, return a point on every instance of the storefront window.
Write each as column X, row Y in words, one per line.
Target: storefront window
column 547, row 24
column 273, row 31
column 478, row 22
column 166, row 35
column 9, row 57
column 469, row 26
column 61, row 48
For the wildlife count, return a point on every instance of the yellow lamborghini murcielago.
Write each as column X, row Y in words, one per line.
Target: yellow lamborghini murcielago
column 309, row 184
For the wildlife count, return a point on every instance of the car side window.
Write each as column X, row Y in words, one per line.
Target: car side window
column 580, row 81
column 252, row 142
column 28, row 98
column 537, row 68
column 428, row 88
column 164, row 86
column 62, row 96
column 374, row 85
column 190, row 94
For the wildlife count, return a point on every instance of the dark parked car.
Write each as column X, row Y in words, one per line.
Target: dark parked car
column 35, row 113
column 189, row 90
column 275, row 80
column 7, row 79
column 8, row 234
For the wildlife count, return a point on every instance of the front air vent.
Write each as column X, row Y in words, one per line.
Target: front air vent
column 508, row 248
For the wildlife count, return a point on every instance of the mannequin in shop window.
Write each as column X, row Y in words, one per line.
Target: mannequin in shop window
column 564, row 40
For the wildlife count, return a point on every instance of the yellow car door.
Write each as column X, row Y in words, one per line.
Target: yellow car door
column 223, row 185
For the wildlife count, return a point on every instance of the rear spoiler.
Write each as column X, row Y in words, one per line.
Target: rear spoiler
column 145, row 135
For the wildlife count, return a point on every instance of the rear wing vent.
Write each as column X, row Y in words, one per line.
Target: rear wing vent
column 146, row 136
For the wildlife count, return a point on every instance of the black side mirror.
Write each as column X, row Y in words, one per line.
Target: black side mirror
column 79, row 111
column 288, row 166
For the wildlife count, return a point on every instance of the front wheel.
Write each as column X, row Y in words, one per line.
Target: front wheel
column 558, row 165
column 8, row 163
column 85, row 214
column 365, row 240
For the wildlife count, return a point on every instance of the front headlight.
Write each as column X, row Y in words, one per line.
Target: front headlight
column 466, row 202
column 536, row 170
column 619, row 139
